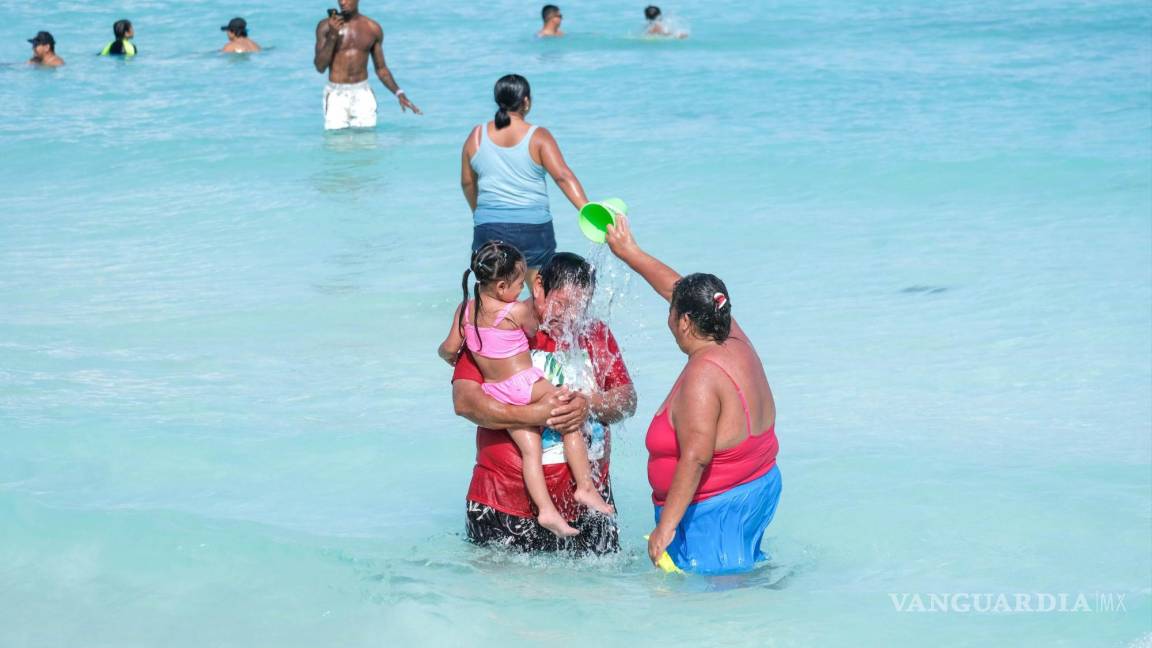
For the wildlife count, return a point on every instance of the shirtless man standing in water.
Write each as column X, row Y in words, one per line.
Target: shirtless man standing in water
column 343, row 41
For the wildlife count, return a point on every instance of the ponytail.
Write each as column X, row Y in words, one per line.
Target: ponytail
column 476, row 315
column 464, row 303
column 510, row 93
column 502, row 118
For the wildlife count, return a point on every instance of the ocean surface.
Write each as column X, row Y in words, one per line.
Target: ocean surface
column 222, row 417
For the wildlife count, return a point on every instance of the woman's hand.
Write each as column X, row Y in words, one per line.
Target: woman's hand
column 620, row 239
column 658, row 542
column 658, row 275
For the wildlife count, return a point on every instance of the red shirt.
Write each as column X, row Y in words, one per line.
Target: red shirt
column 498, row 479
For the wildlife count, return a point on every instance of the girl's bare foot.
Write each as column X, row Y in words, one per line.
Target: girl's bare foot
column 556, row 523
column 591, row 498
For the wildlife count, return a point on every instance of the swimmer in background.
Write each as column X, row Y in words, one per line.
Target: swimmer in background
column 344, row 40
column 552, row 18
column 656, row 26
column 44, row 51
column 238, row 41
column 123, row 45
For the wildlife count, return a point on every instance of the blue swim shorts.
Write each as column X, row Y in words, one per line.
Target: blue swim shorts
column 722, row 534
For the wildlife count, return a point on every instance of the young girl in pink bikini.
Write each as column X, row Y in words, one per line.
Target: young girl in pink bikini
column 495, row 326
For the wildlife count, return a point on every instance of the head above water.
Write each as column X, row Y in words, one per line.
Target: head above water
column 122, row 29
column 499, row 269
column 349, row 7
column 550, row 12
column 700, row 308
column 43, row 39
column 237, row 27
column 562, row 290
column 512, row 95
column 652, row 12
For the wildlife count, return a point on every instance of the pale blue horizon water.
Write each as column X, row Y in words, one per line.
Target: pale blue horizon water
column 223, row 423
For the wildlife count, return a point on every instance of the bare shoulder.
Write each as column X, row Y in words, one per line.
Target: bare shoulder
column 701, row 372
column 472, row 143
column 699, row 393
column 543, row 135
column 375, row 27
column 542, row 141
column 522, row 313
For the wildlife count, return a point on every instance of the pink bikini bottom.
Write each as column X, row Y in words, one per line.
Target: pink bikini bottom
column 516, row 390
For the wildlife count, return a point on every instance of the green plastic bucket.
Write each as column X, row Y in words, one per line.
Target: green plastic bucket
column 595, row 217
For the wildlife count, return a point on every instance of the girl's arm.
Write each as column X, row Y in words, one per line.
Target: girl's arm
column 553, row 162
column 450, row 348
column 467, row 174
column 695, row 415
column 524, row 314
column 658, row 275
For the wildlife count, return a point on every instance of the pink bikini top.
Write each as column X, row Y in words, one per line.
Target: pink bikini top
column 491, row 342
column 750, row 459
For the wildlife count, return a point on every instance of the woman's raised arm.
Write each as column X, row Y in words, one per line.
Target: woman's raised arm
column 655, row 272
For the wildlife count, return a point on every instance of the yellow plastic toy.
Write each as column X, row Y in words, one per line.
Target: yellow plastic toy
column 666, row 563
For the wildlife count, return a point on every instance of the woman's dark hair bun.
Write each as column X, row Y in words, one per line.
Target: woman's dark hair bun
column 510, row 93
column 704, row 299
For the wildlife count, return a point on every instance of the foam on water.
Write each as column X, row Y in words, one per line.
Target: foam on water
column 222, row 420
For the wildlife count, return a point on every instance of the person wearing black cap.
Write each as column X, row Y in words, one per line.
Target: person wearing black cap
column 238, row 41
column 44, row 50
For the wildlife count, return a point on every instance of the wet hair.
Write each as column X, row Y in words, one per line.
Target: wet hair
column 566, row 269
column 121, row 27
column 510, row 93
column 492, row 262
column 704, row 299
column 547, row 12
column 651, row 12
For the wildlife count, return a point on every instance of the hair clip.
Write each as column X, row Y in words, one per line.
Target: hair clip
column 721, row 300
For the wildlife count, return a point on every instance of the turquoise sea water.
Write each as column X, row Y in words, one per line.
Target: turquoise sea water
column 223, row 423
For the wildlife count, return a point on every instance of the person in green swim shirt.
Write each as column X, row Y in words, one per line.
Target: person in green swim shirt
column 123, row 45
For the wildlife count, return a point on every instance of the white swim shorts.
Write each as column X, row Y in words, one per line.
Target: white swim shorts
column 349, row 105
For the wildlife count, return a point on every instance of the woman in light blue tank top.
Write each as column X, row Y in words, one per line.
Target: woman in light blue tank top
column 503, row 170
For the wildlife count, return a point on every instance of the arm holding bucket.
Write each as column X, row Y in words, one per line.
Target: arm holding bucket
column 658, row 275
column 553, row 162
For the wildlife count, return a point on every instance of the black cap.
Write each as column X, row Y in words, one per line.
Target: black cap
column 42, row 38
column 236, row 26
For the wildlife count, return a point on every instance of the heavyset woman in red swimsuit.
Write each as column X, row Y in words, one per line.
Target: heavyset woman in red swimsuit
column 712, row 444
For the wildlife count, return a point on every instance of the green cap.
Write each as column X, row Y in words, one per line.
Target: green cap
column 595, row 217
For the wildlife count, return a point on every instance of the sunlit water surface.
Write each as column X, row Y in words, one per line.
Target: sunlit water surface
column 223, row 422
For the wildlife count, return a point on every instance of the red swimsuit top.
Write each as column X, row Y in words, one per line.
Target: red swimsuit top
column 751, row 459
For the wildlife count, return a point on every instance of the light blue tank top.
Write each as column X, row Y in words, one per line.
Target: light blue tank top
column 511, row 186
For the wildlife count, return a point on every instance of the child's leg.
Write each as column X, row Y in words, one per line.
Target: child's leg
column 531, row 452
column 576, row 455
